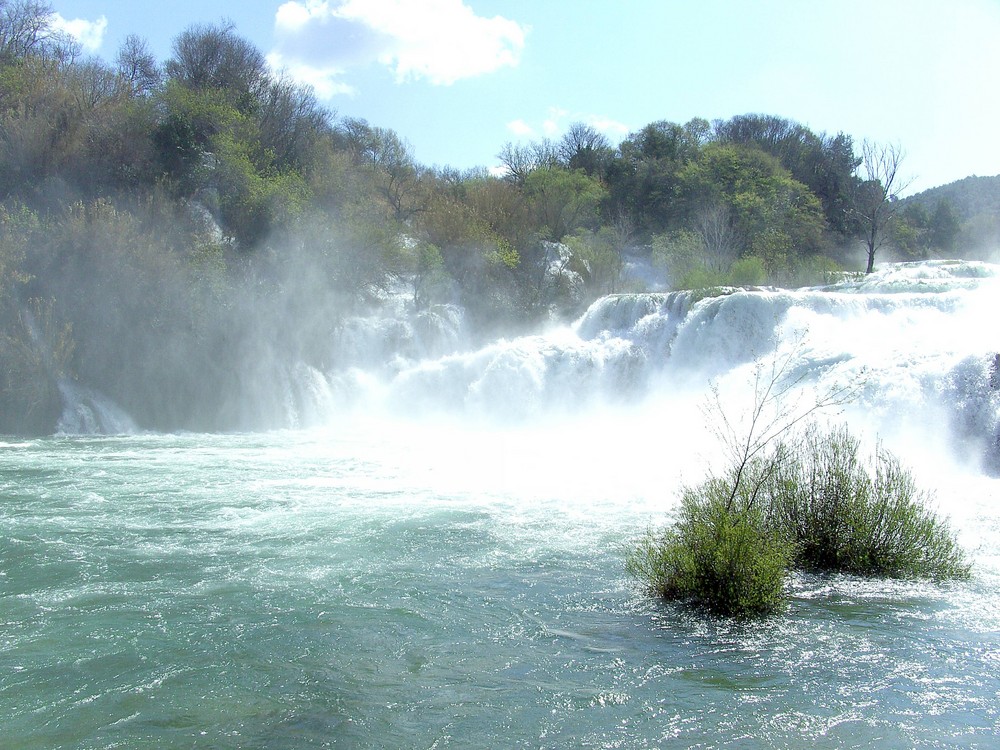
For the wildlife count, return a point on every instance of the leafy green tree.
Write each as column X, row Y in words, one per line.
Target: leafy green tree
column 944, row 227
column 679, row 254
column 431, row 283
column 908, row 232
column 584, row 147
column 642, row 178
column 772, row 215
column 42, row 126
column 479, row 226
column 563, row 200
column 824, row 164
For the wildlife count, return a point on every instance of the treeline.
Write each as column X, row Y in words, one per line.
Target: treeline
column 960, row 216
column 170, row 232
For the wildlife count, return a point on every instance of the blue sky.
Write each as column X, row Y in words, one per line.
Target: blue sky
column 459, row 78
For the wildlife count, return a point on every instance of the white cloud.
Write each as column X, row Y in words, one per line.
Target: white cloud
column 615, row 130
column 440, row 41
column 293, row 16
column 90, row 34
column 554, row 123
column 520, row 128
column 324, row 81
column 559, row 120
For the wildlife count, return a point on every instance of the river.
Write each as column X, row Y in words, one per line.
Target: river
column 441, row 564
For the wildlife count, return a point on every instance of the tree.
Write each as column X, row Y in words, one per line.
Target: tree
column 394, row 173
column 875, row 200
column 26, row 29
column 520, row 160
column 291, row 121
column 584, row 147
column 42, row 126
column 642, row 176
column 214, row 57
column 824, row 164
column 137, row 67
column 944, row 227
column 563, row 200
column 715, row 225
column 770, row 214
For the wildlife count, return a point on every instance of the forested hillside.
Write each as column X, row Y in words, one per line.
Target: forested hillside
column 961, row 215
column 170, row 230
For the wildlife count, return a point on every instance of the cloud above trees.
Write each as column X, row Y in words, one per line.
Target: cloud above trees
column 557, row 120
column 437, row 41
column 89, row 34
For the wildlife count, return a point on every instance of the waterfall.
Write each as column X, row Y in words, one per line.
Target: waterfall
column 87, row 412
column 910, row 339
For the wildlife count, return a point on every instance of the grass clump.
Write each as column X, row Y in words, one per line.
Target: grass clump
column 813, row 503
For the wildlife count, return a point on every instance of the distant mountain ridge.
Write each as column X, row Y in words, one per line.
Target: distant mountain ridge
column 969, row 197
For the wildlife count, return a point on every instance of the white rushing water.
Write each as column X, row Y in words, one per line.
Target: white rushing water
column 437, row 560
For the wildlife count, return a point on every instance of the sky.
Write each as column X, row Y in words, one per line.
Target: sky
column 458, row 79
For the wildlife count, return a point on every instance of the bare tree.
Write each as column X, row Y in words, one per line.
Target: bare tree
column 215, row 57
column 520, row 160
column 875, row 200
column 716, row 226
column 779, row 405
column 137, row 67
column 26, row 28
column 517, row 161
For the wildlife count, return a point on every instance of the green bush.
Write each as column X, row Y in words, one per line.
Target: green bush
column 849, row 515
column 721, row 555
column 812, row 504
column 748, row 271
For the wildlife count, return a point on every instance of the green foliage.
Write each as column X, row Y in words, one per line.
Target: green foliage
column 719, row 556
column 846, row 514
column 564, row 200
column 681, row 254
column 748, row 271
column 599, row 256
column 823, row 163
column 772, row 212
column 35, row 346
column 35, row 351
column 809, row 503
column 811, row 270
column 431, row 283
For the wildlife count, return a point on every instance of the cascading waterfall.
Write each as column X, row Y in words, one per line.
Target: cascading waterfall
column 87, row 412
column 909, row 338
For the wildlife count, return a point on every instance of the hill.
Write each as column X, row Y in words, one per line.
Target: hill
column 961, row 218
column 969, row 197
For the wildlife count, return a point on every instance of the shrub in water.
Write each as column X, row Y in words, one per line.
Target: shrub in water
column 867, row 518
column 815, row 505
column 720, row 555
